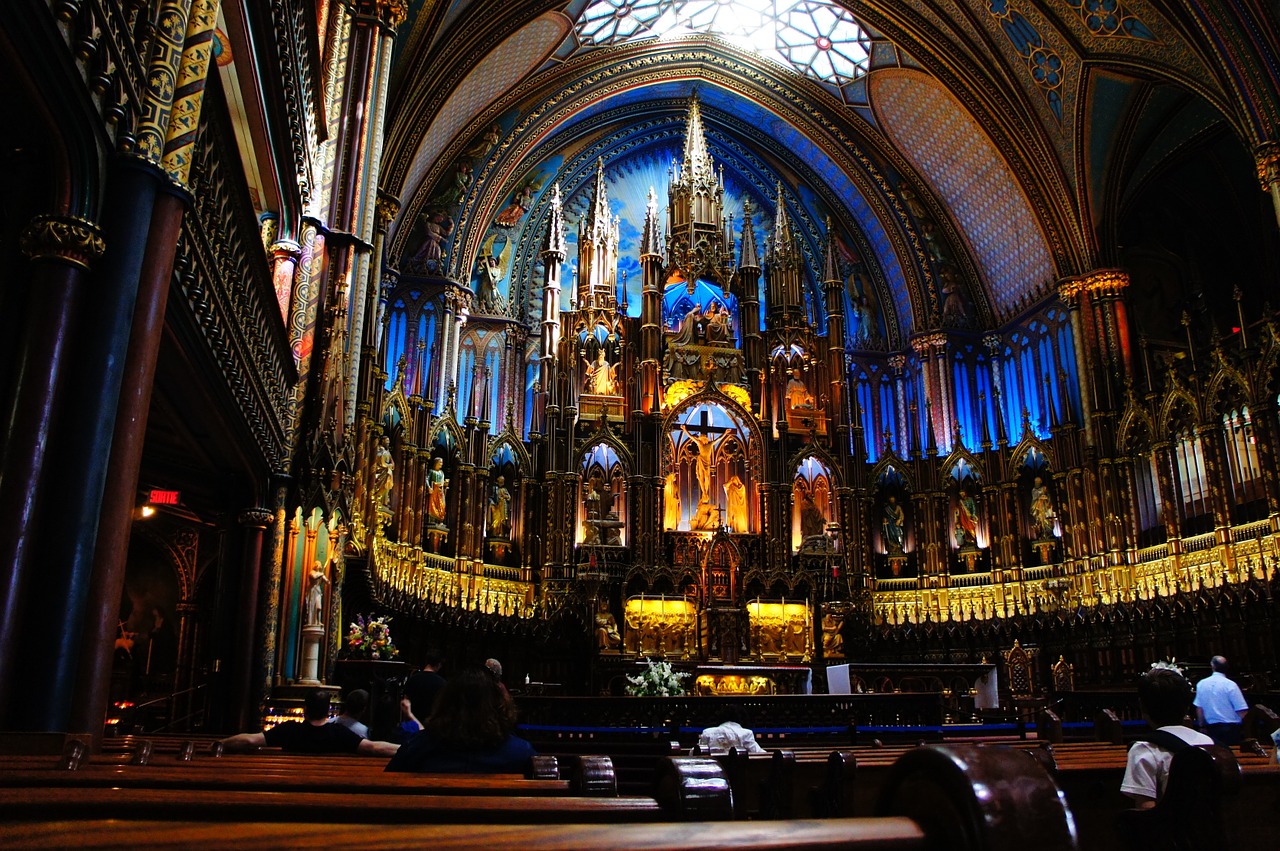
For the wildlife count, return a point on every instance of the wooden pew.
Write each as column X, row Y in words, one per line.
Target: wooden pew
column 967, row 799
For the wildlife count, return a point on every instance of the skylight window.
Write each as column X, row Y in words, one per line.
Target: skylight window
column 815, row 37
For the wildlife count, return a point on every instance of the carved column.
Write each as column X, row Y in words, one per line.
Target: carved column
column 61, row 250
column 243, row 706
column 1163, row 455
column 121, row 484
column 1069, row 294
column 283, row 256
column 1267, row 156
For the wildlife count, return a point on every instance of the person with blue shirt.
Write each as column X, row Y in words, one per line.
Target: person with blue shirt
column 1220, row 705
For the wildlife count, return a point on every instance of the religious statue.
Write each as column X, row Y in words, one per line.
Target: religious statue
column 436, row 229
column 832, row 635
column 607, row 638
column 437, row 486
column 313, row 605
column 812, row 521
column 966, row 520
column 692, row 329
column 717, row 324
column 893, row 524
column 671, row 502
column 735, row 493
column 384, row 467
column 1042, row 513
column 704, row 460
column 600, row 376
column 798, row 395
column 500, row 510
column 514, row 212
column 489, row 274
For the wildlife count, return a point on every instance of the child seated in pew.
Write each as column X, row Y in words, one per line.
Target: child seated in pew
column 313, row 735
column 469, row 731
column 353, row 706
column 1165, row 696
column 728, row 734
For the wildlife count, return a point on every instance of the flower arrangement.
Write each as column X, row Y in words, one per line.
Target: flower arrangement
column 1171, row 665
column 656, row 680
column 370, row 638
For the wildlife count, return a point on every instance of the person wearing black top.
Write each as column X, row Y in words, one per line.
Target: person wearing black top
column 470, row 731
column 424, row 687
column 314, row 734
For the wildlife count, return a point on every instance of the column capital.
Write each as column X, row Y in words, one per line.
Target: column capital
column 391, row 12
column 256, row 518
column 386, row 208
column 1099, row 281
column 69, row 239
column 285, row 249
column 1267, row 157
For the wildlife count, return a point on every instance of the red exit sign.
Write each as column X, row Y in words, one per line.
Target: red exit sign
column 164, row 497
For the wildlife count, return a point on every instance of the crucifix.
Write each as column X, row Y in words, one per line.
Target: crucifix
column 702, row 435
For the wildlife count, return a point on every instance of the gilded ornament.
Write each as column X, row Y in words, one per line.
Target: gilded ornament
column 68, row 238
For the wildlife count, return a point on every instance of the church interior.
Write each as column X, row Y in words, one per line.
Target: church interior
column 754, row 337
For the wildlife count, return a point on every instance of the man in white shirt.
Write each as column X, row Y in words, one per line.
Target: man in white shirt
column 1220, row 705
column 728, row 734
column 1164, row 696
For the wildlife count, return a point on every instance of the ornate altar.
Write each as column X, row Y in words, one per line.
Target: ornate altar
column 780, row 631
column 660, row 626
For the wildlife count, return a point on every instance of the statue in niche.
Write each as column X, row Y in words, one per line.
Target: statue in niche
column 500, row 510
column 954, row 309
column 966, row 520
column 704, row 460
column 735, row 493
column 671, row 502
column 812, row 521
column 384, row 467
column 514, row 212
column 607, row 638
column 313, row 605
column 490, row 272
column 833, row 635
column 893, row 525
column 600, row 376
column 693, row 329
column 436, row 227
column 912, row 202
column 717, row 324
column 798, row 395
column 437, row 488
column 1042, row 513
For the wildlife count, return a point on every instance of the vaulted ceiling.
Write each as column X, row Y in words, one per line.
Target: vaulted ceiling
column 994, row 145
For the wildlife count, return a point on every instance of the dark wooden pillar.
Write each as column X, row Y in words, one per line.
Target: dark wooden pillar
column 255, row 522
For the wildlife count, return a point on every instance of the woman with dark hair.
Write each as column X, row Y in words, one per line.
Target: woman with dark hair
column 469, row 731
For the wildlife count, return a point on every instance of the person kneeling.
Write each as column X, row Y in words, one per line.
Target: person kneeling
column 314, row 734
column 470, row 730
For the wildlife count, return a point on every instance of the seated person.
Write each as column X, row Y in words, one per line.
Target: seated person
column 313, row 735
column 470, row 730
column 353, row 706
column 410, row 726
column 1165, row 697
column 728, row 734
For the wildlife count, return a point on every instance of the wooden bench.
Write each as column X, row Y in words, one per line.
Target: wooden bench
column 963, row 798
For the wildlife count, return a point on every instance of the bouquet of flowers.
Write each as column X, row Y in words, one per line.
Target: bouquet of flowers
column 656, row 680
column 370, row 638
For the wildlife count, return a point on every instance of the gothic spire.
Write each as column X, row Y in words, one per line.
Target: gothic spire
column 554, row 242
column 697, row 160
column 831, row 268
column 783, row 246
column 599, row 217
column 750, row 256
column 649, row 241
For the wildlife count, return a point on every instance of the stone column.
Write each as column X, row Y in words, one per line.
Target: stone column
column 243, row 707
column 61, row 249
column 163, row 236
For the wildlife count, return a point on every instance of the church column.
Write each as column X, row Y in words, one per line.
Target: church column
column 1212, row 448
column 115, row 523
column 283, row 255
column 243, row 707
column 1163, row 455
column 1267, row 156
column 61, row 250
column 1069, row 292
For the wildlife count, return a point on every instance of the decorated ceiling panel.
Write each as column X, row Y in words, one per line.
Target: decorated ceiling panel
column 950, row 149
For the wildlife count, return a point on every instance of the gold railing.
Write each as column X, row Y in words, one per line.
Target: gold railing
column 437, row 580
